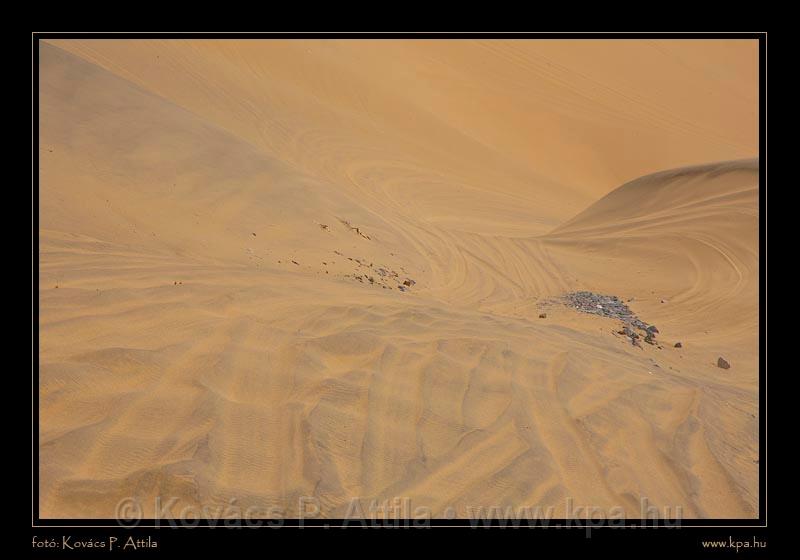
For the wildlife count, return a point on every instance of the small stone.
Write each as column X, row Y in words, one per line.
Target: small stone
column 649, row 339
column 408, row 282
column 402, row 288
column 722, row 363
column 652, row 329
column 663, row 301
column 678, row 345
column 254, row 234
column 542, row 315
column 630, row 332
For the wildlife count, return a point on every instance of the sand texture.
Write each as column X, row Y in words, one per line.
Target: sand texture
column 225, row 229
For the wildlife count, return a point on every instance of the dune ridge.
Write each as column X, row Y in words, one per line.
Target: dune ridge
column 208, row 329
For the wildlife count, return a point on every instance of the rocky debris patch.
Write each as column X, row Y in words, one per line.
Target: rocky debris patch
column 378, row 275
column 542, row 315
column 633, row 329
column 613, row 308
column 605, row 306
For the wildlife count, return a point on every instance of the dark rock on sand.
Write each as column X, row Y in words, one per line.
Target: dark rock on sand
column 627, row 331
column 678, row 345
column 614, row 308
column 722, row 363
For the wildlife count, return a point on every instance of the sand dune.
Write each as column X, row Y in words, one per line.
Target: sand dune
column 211, row 214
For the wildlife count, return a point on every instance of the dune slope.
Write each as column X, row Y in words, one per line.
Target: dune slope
column 223, row 314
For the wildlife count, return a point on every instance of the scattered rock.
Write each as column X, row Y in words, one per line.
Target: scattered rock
column 629, row 332
column 663, row 301
column 722, row 363
column 408, row 282
column 354, row 228
column 678, row 345
column 614, row 308
column 542, row 315
column 603, row 305
column 297, row 263
column 254, row 234
column 402, row 288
